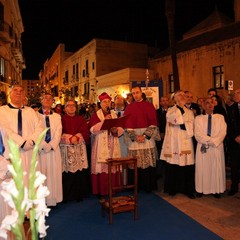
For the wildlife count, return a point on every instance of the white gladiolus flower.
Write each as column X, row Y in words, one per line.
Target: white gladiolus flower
column 42, row 192
column 9, row 190
column 40, row 178
column 24, row 201
column 41, row 226
column 8, row 222
column 3, row 233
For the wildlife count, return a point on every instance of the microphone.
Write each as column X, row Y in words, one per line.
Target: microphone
column 108, row 110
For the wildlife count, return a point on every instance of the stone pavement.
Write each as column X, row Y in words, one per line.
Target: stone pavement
column 221, row 216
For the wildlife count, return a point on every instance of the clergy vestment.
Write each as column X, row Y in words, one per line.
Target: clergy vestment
column 31, row 129
column 50, row 162
column 104, row 146
column 210, row 164
column 76, row 175
column 178, row 151
column 178, row 145
column 141, row 117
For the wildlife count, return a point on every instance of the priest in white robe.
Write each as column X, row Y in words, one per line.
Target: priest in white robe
column 177, row 149
column 210, row 162
column 50, row 161
column 105, row 145
column 23, row 129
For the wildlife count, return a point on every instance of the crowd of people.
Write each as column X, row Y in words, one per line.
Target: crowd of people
column 187, row 144
column 198, row 141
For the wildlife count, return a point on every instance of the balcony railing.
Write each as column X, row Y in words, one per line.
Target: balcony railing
column 17, row 51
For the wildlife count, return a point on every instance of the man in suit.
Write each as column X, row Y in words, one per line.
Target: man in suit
column 234, row 141
column 192, row 105
column 161, row 117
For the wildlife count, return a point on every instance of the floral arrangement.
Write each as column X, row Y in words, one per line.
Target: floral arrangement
column 25, row 202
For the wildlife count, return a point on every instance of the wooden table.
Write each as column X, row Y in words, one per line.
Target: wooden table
column 123, row 203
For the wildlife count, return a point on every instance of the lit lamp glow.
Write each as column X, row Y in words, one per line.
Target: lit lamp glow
column 147, row 78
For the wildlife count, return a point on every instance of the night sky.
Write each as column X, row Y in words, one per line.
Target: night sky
column 76, row 22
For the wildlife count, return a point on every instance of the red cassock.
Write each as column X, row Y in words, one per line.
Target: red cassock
column 74, row 125
column 141, row 115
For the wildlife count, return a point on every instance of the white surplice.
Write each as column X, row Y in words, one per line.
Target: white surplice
column 210, row 177
column 104, row 145
column 51, row 162
column 178, row 145
column 31, row 129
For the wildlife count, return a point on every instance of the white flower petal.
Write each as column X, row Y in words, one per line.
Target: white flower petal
column 10, row 220
column 42, row 227
column 9, row 189
column 42, row 192
column 3, row 233
column 40, row 178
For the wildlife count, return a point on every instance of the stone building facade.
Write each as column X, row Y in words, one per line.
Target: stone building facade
column 78, row 75
column 11, row 56
column 207, row 57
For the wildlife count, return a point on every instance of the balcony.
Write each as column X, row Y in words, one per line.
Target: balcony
column 17, row 52
column 6, row 33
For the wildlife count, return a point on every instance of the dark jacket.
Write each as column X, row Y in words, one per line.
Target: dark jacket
column 233, row 125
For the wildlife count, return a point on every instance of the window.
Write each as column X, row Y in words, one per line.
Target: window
column 66, row 78
column 73, row 70
column 1, row 17
column 218, row 76
column 171, row 83
column 2, row 70
column 77, row 71
column 86, row 90
column 93, row 65
column 87, row 72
